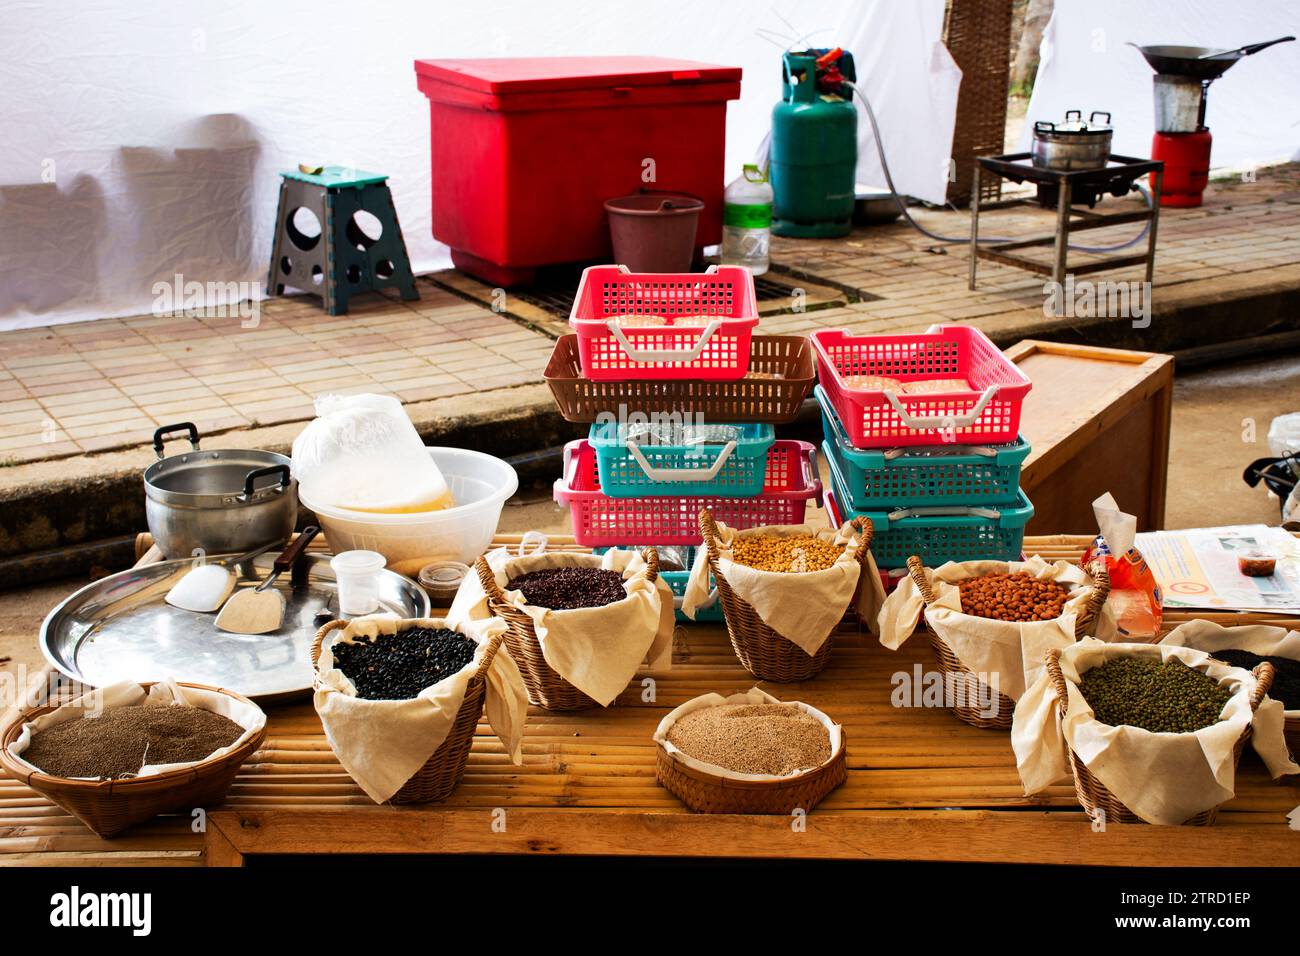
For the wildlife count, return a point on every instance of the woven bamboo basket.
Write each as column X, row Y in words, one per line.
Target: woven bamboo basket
column 1092, row 793
column 442, row 771
column 110, row 806
column 763, row 652
column 706, row 792
column 546, row 688
column 975, row 689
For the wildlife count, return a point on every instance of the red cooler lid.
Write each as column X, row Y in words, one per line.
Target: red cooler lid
column 553, row 73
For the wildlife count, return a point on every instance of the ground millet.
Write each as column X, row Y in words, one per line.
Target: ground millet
column 122, row 740
column 753, row 738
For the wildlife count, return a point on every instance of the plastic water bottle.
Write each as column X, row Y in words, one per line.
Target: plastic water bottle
column 747, row 221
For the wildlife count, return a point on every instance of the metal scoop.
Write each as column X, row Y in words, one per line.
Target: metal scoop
column 260, row 610
column 205, row 587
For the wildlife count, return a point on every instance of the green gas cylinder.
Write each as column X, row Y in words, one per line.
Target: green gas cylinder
column 814, row 146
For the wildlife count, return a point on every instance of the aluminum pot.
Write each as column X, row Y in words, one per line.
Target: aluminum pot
column 1074, row 144
column 226, row 501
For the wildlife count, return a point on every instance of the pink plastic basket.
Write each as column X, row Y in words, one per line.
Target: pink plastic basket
column 988, row 413
column 601, row 521
column 714, row 348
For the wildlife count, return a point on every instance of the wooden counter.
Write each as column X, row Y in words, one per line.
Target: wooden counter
column 921, row 785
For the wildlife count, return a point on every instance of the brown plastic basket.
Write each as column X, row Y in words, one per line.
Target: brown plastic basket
column 546, row 688
column 446, row 765
column 958, row 674
column 110, row 806
column 1092, row 793
column 705, row 792
column 763, row 652
column 781, row 375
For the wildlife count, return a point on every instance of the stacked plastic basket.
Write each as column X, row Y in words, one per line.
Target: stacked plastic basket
column 681, row 399
column 922, row 437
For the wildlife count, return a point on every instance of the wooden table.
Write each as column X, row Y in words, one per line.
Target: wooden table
column 922, row 785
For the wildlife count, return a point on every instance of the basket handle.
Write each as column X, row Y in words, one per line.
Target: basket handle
column 485, row 663
column 1096, row 600
column 916, row 570
column 488, row 578
column 709, row 532
column 937, row 512
column 945, row 451
column 663, row 355
column 655, row 473
column 939, row 422
column 811, row 473
column 319, row 642
column 1264, row 674
column 651, row 556
column 1052, row 661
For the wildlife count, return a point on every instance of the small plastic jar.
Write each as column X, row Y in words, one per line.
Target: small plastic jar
column 442, row 580
column 1256, row 564
column 357, row 576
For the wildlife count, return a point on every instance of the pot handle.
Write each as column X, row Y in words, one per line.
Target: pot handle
column 1044, row 126
column 256, row 473
column 1095, row 113
column 1074, row 116
column 166, row 430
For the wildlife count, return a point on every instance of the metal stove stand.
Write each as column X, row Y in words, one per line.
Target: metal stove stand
column 1118, row 178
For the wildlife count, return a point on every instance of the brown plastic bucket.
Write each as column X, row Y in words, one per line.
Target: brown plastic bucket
column 654, row 232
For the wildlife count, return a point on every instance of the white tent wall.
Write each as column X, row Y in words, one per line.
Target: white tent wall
column 144, row 138
column 1254, row 108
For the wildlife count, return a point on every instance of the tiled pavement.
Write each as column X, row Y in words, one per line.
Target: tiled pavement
column 95, row 386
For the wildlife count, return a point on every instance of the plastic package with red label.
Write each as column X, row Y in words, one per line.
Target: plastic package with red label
column 1135, row 596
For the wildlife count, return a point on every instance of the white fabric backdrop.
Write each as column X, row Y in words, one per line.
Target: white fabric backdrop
column 143, row 138
column 1254, row 108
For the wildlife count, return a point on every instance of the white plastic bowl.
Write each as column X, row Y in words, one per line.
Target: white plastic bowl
column 480, row 485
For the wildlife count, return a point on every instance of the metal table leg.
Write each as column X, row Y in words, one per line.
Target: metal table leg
column 1157, row 181
column 974, row 224
column 1062, row 232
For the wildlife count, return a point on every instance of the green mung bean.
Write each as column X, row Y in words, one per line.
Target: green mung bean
column 1163, row 697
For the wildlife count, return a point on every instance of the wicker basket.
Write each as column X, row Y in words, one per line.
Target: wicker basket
column 763, row 652
column 1093, row 794
column 710, row 793
column 955, row 671
column 546, row 688
column 446, row 765
column 110, row 806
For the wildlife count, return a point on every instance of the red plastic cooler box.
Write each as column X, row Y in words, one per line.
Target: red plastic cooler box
column 524, row 152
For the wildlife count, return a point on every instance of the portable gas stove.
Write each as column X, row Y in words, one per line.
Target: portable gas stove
column 1069, row 191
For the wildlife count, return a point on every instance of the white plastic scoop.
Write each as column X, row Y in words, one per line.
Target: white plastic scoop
column 260, row 610
column 205, row 587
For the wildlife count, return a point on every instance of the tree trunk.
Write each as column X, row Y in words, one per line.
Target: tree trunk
column 1025, row 65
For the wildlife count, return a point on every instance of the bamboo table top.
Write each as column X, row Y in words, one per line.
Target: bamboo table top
column 921, row 785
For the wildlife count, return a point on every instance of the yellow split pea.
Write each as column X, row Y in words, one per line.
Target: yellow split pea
column 785, row 553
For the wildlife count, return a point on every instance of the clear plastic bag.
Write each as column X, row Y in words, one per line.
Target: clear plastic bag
column 362, row 453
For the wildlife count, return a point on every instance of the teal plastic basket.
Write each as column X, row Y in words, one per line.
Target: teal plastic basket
column 711, row 612
column 630, row 469
column 922, row 475
column 935, row 534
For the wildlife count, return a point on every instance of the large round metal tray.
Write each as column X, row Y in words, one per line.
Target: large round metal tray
column 121, row 628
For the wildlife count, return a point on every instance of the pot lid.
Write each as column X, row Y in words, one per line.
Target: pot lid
column 1098, row 122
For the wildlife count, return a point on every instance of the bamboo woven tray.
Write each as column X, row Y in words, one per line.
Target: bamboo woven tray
column 921, row 785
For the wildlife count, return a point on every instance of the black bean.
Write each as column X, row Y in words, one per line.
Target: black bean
column 1286, row 673
column 399, row 666
column 563, row 589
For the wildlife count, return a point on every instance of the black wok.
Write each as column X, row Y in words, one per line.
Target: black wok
column 1200, row 62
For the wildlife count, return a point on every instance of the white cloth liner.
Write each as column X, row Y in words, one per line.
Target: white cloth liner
column 596, row 649
column 1262, row 639
column 805, row 608
column 1164, row 778
column 754, row 695
column 130, row 694
column 1014, row 650
column 382, row 743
